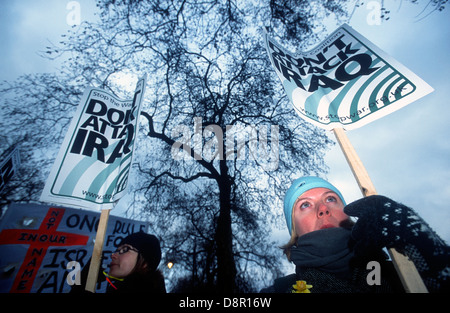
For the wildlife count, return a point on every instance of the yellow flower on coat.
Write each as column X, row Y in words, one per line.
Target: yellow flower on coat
column 301, row 287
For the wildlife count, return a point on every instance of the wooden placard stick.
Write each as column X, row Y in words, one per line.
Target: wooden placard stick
column 97, row 252
column 407, row 271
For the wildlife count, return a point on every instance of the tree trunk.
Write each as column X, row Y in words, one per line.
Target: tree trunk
column 225, row 261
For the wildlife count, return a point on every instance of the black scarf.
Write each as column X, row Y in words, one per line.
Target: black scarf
column 150, row 282
column 328, row 250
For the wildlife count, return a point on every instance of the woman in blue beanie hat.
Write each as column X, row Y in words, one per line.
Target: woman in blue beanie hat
column 314, row 187
column 331, row 253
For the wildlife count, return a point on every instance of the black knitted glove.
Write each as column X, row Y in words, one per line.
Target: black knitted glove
column 383, row 222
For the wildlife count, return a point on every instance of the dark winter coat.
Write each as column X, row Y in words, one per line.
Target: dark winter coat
column 325, row 259
column 134, row 283
column 139, row 283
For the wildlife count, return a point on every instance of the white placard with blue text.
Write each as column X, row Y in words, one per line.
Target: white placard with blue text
column 92, row 167
column 344, row 82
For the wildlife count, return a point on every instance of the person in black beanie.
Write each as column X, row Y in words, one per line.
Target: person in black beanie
column 331, row 252
column 134, row 266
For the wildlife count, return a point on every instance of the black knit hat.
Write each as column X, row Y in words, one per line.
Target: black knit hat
column 147, row 245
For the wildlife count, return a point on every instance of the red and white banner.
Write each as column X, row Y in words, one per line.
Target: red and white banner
column 38, row 242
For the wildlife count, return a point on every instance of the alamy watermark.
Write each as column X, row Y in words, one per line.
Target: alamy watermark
column 374, row 17
column 74, row 276
column 211, row 143
column 73, row 17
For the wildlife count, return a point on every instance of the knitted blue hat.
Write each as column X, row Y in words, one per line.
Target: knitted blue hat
column 300, row 186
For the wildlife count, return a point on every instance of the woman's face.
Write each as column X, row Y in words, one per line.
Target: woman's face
column 316, row 209
column 123, row 261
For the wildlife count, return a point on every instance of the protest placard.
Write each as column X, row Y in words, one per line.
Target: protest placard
column 92, row 167
column 9, row 166
column 344, row 82
column 38, row 242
